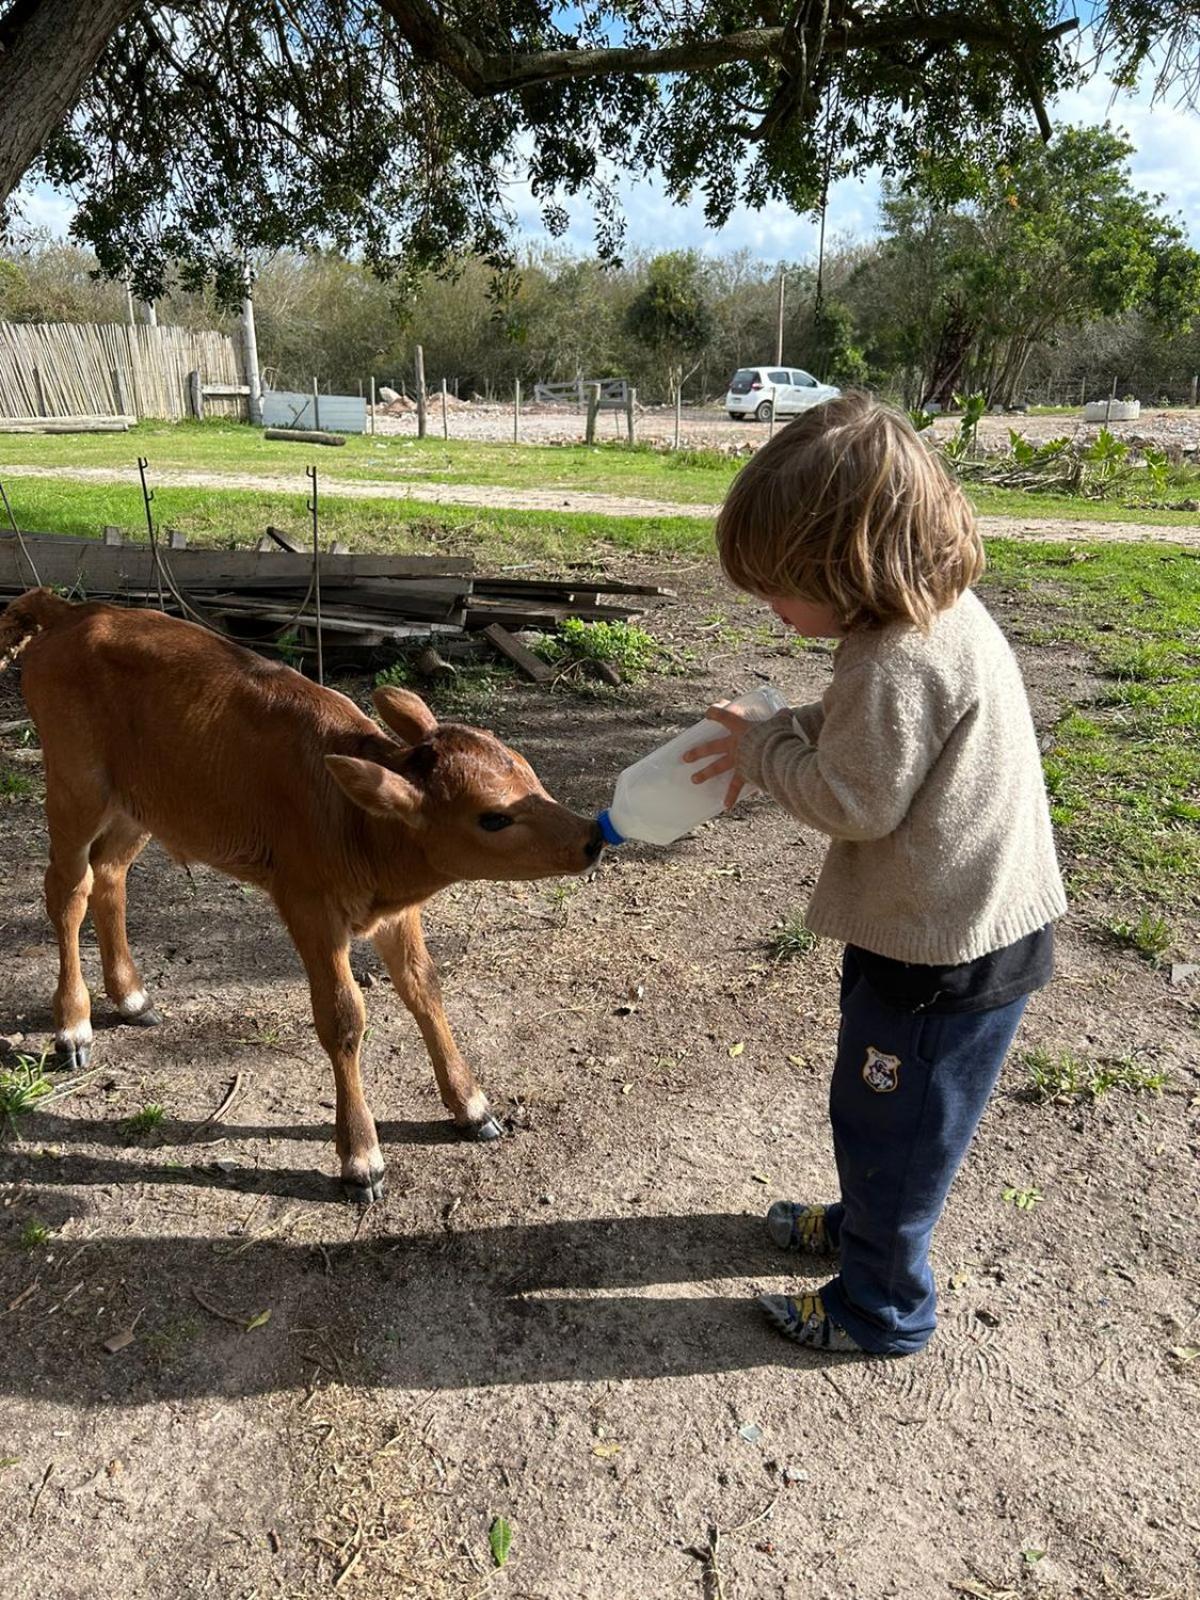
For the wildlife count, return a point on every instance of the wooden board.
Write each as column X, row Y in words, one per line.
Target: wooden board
column 97, row 568
column 534, row 668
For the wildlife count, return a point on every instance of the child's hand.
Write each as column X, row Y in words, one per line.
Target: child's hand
column 725, row 750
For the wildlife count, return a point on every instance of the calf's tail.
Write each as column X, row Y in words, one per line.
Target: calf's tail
column 33, row 611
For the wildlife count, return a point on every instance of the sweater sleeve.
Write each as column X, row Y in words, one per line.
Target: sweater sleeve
column 857, row 778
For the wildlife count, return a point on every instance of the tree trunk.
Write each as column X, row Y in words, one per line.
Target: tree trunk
column 48, row 49
column 953, row 347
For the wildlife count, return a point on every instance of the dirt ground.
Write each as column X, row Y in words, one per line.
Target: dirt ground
column 711, row 428
column 560, row 1329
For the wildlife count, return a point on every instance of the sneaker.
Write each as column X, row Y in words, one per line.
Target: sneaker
column 797, row 1227
column 806, row 1322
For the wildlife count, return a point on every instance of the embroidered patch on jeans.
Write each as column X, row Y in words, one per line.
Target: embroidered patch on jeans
column 880, row 1072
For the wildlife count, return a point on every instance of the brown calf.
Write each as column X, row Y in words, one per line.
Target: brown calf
column 154, row 727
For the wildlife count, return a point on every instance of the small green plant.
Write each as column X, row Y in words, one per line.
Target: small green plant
column 142, row 1121
column 21, row 1087
column 1023, row 1199
column 1059, row 1077
column 288, row 646
column 34, row 1235
column 790, row 938
column 1150, row 936
column 398, row 676
column 921, row 420
column 15, row 785
column 618, row 644
column 167, row 1344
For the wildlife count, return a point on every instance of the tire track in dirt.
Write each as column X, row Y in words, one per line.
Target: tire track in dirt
column 489, row 497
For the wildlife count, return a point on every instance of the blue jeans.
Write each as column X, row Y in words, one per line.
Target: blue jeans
column 907, row 1095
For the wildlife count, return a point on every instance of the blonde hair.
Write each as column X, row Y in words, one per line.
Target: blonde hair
column 847, row 507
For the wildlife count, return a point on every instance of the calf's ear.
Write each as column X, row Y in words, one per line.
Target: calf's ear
column 405, row 713
column 375, row 789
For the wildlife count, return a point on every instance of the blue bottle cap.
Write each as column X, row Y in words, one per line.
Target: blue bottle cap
column 611, row 836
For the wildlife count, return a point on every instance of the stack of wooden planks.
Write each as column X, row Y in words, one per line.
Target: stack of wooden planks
column 268, row 596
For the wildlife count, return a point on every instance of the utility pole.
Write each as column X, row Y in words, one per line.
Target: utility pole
column 779, row 321
column 254, row 400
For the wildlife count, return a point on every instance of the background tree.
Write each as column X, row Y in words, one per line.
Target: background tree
column 671, row 315
column 196, row 131
column 1055, row 241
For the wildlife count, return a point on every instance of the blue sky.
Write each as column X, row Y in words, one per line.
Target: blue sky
column 1166, row 140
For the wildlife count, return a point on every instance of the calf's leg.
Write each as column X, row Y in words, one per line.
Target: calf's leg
column 68, row 887
column 402, row 945
column 340, row 1016
column 112, row 854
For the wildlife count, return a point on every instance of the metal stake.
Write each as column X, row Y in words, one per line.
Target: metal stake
column 24, row 548
column 147, row 497
column 311, row 472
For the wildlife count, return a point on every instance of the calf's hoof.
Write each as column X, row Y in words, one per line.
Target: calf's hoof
column 73, row 1049
column 149, row 1018
column 137, row 1011
column 362, row 1179
column 483, row 1131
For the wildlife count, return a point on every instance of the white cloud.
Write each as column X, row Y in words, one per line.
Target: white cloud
column 45, row 207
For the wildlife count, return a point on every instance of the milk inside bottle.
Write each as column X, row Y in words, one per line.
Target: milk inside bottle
column 656, row 802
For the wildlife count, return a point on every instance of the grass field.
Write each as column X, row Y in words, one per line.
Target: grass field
column 684, row 478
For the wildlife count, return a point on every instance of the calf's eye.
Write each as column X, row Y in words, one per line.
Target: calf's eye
column 493, row 821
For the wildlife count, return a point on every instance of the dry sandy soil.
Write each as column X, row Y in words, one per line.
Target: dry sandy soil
column 713, row 428
column 560, row 1329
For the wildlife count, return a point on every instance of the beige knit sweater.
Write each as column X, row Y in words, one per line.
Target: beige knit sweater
column 922, row 765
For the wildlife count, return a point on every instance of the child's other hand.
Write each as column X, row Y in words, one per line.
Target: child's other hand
column 723, row 750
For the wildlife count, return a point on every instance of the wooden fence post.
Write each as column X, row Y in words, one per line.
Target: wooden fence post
column 316, row 406
column 195, row 393
column 631, row 412
column 445, row 422
column 1195, row 386
column 678, row 411
column 372, row 402
column 422, row 419
column 40, row 391
column 516, row 410
column 593, row 410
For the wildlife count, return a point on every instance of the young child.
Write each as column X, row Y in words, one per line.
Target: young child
column 921, row 764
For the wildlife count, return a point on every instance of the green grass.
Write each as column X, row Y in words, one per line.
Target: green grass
column 1150, row 936
column 1123, row 772
column 228, row 516
column 1060, row 1077
column 22, row 1085
column 143, row 1121
column 790, row 938
column 34, row 1235
column 15, row 786
column 685, row 477
column 622, row 645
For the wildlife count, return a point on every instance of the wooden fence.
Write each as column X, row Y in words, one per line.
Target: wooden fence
column 73, row 369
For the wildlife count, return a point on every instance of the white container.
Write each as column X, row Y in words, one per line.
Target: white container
column 1112, row 411
column 656, row 801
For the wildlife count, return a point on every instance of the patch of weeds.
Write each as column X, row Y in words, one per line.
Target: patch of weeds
column 1060, row 1077
column 34, row 1235
column 790, row 938
column 472, row 690
column 1150, row 936
column 398, row 676
column 1057, row 1075
column 1023, row 1199
column 630, row 649
column 16, row 786
column 21, row 1087
column 143, row 1121
column 288, row 646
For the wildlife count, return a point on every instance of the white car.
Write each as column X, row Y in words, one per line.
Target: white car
column 764, row 392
